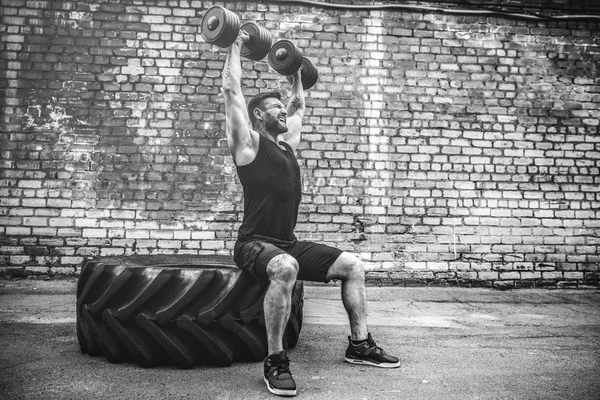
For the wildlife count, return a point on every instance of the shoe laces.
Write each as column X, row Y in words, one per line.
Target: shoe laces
column 280, row 367
column 371, row 347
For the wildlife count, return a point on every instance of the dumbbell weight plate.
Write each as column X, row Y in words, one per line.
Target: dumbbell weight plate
column 259, row 44
column 220, row 26
column 285, row 57
column 308, row 74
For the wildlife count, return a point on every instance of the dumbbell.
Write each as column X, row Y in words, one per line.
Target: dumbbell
column 221, row 27
column 286, row 58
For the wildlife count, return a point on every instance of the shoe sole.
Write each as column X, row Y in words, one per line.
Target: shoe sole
column 372, row 363
column 279, row 392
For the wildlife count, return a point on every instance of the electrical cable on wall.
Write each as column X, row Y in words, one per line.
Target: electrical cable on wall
column 456, row 11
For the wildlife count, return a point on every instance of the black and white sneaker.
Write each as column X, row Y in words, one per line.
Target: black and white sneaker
column 367, row 352
column 278, row 376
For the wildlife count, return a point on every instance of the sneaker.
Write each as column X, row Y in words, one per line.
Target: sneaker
column 278, row 376
column 368, row 353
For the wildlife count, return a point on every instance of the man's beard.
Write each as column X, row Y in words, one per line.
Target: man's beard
column 276, row 126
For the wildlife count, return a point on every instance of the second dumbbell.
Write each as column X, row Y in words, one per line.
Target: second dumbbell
column 286, row 58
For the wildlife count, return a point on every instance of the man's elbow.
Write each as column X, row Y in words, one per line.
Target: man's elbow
column 228, row 89
column 232, row 87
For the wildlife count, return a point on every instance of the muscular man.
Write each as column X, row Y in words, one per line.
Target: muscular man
column 262, row 139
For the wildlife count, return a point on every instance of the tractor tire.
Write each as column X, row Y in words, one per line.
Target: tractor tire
column 180, row 310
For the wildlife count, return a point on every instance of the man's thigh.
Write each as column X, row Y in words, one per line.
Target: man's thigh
column 314, row 260
column 255, row 256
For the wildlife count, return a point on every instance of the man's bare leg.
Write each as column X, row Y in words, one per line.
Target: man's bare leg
column 282, row 271
column 350, row 271
column 362, row 349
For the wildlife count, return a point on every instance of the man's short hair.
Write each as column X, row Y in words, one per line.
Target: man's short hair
column 256, row 102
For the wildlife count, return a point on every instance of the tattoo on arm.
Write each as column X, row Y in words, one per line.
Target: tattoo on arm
column 297, row 104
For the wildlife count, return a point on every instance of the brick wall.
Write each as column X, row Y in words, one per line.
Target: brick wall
column 440, row 148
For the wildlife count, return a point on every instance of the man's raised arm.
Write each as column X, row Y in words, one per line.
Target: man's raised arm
column 295, row 109
column 242, row 141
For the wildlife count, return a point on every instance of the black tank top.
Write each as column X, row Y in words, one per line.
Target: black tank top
column 272, row 193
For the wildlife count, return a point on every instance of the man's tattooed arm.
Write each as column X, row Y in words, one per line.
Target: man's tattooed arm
column 296, row 107
column 296, row 104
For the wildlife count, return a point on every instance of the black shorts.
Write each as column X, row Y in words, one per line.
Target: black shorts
column 313, row 259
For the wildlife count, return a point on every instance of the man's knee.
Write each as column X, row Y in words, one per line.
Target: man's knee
column 347, row 266
column 283, row 268
column 357, row 268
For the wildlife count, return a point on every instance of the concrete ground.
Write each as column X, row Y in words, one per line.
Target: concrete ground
column 454, row 344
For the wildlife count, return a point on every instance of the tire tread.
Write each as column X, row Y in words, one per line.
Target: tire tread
column 183, row 313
